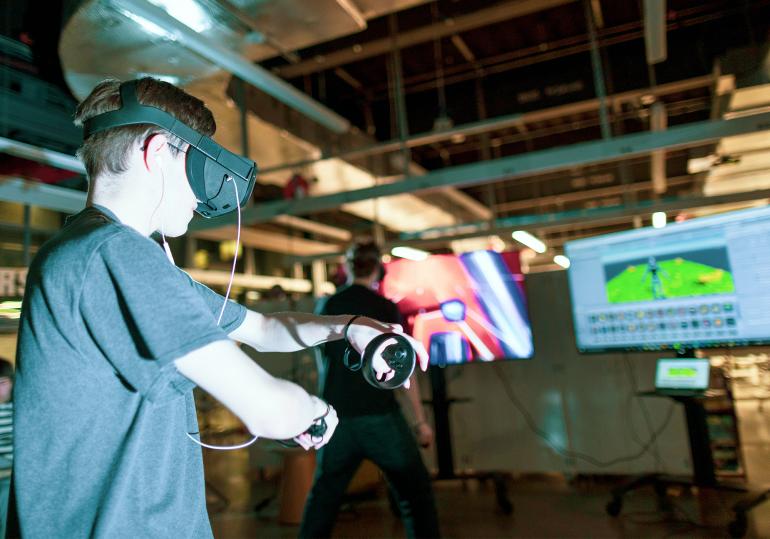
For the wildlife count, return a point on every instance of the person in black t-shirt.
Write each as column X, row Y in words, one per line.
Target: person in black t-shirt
column 371, row 423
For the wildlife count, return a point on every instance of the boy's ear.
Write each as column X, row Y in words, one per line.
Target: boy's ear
column 153, row 149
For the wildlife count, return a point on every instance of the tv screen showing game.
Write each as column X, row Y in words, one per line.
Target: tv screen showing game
column 464, row 308
column 699, row 283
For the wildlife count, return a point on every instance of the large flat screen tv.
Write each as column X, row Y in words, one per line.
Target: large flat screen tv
column 699, row 283
column 464, row 308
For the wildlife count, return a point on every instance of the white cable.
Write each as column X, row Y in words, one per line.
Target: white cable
column 221, row 447
column 219, row 320
column 237, row 246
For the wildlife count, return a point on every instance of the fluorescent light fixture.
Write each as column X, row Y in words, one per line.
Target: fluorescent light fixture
column 188, row 12
column 659, row 219
column 529, row 240
column 409, row 253
column 562, row 260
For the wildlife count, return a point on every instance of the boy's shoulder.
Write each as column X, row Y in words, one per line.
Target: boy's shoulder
column 87, row 236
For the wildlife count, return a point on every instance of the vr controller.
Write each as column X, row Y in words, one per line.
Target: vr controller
column 400, row 356
column 316, row 430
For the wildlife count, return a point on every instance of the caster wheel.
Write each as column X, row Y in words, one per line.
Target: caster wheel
column 614, row 507
column 505, row 506
column 737, row 528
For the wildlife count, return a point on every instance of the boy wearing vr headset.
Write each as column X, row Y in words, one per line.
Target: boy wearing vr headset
column 113, row 337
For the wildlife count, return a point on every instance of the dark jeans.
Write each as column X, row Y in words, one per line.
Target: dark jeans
column 387, row 441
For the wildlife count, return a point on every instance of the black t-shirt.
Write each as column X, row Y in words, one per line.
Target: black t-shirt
column 344, row 389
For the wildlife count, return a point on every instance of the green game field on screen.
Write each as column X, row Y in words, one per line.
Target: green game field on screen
column 680, row 278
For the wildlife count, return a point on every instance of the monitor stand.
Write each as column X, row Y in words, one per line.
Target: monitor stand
column 704, row 475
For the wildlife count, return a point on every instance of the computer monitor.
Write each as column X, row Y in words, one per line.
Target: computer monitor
column 682, row 374
column 699, row 283
column 464, row 308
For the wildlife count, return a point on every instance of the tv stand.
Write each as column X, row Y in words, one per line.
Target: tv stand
column 444, row 456
column 704, row 475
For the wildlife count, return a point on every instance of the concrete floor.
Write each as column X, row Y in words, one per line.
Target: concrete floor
column 544, row 506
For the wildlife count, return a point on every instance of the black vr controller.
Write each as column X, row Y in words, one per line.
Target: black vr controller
column 400, row 356
column 316, row 431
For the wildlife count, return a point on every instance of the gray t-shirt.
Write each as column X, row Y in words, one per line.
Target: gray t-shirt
column 100, row 409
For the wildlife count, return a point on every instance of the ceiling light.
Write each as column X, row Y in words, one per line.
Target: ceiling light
column 659, row 219
column 529, row 240
column 409, row 253
column 562, row 260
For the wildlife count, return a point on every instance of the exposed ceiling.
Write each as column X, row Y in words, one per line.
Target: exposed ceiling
column 429, row 86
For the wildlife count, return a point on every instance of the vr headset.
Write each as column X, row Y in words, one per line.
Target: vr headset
column 208, row 164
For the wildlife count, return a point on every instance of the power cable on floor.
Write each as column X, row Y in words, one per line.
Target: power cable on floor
column 645, row 411
column 568, row 453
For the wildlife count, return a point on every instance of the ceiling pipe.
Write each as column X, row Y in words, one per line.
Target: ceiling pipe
column 516, row 166
column 237, row 65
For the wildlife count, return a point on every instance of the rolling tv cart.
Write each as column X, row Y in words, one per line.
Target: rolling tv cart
column 704, row 472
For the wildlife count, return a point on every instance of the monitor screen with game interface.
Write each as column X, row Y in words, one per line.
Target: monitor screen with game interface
column 699, row 283
column 464, row 308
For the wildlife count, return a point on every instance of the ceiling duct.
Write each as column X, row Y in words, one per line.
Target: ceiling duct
column 129, row 38
column 195, row 40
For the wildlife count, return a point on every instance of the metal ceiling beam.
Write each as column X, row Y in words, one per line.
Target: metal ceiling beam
column 516, row 166
column 268, row 240
column 320, row 229
column 586, row 194
column 477, row 19
column 565, row 219
column 585, row 217
column 257, row 282
column 32, row 193
column 237, row 65
column 503, row 122
column 70, row 201
column 41, row 155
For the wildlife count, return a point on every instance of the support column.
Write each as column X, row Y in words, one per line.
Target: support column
column 596, row 64
column 318, row 277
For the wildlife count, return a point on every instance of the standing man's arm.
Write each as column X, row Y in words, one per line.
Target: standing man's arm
column 422, row 429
